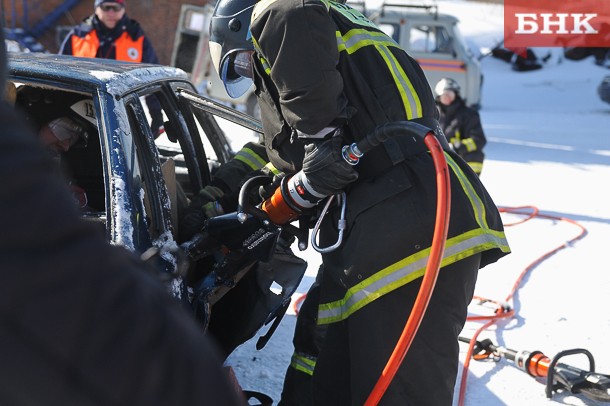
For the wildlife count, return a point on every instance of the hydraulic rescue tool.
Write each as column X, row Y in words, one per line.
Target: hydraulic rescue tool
column 295, row 196
column 558, row 376
column 226, row 252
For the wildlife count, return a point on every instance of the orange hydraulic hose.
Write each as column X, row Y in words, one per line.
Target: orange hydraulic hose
column 441, row 227
column 541, row 366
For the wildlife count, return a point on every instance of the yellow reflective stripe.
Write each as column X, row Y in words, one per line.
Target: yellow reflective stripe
column 271, row 168
column 458, row 134
column 302, row 363
column 477, row 167
column 475, row 201
column 377, row 285
column 470, row 144
column 412, row 267
column 261, row 58
column 265, row 64
column 353, row 15
column 250, row 158
column 355, row 39
column 406, row 270
column 410, row 98
column 473, row 242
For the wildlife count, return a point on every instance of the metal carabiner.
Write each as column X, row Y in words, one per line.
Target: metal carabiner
column 341, row 225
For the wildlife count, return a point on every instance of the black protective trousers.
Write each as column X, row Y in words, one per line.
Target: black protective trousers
column 354, row 351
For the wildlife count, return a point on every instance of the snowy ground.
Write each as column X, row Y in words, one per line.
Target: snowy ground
column 549, row 147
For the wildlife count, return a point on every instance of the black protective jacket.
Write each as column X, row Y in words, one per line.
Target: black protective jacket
column 321, row 64
column 462, row 127
column 309, row 78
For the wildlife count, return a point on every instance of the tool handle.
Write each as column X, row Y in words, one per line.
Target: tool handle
column 352, row 153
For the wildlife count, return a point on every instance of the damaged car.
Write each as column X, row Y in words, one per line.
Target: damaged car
column 238, row 274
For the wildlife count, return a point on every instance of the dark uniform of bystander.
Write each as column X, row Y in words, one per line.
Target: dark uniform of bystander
column 461, row 124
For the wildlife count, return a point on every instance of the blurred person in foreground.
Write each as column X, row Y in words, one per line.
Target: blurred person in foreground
column 109, row 33
column 461, row 124
column 103, row 334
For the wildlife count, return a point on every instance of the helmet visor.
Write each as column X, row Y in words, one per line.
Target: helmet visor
column 236, row 72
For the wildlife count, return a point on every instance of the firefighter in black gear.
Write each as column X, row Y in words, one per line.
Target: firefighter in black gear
column 461, row 124
column 326, row 76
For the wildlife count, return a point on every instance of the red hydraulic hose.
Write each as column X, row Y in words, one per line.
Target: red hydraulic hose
column 441, row 227
column 529, row 212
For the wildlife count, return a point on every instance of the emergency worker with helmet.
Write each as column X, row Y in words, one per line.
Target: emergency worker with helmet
column 109, row 33
column 461, row 124
column 325, row 77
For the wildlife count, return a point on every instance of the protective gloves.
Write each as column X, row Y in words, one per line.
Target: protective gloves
column 267, row 190
column 202, row 207
column 325, row 169
column 208, row 198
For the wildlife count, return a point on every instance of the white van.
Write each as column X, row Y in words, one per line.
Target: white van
column 433, row 39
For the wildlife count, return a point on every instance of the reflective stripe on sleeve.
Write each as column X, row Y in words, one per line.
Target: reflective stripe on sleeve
column 469, row 144
column 271, row 168
column 356, row 39
column 250, row 158
column 407, row 270
column 412, row 267
column 477, row 167
column 303, row 363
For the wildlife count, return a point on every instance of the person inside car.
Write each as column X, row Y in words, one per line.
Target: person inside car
column 62, row 133
column 58, row 136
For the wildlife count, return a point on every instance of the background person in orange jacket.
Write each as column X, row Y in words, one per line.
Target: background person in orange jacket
column 109, row 33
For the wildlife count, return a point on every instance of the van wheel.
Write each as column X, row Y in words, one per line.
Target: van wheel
column 252, row 107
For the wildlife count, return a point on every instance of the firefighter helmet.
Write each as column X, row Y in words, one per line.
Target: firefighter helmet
column 446, row 84
column 231, row 44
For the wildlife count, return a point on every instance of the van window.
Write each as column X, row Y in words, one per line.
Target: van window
column 430, row 39
column 391, row 30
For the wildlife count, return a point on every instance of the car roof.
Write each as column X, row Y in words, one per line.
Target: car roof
column 114, row 77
